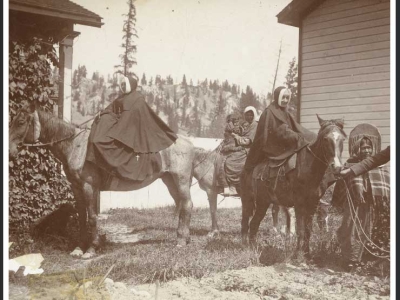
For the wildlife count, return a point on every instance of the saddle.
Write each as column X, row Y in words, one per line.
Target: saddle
column 274, row 170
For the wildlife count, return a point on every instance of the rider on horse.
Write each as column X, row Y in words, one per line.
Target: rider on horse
column 126, row 138
column 278, row 135
column 235, row 149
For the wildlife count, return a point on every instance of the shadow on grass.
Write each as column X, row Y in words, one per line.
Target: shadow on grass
column 141, row 242
column 223, row 244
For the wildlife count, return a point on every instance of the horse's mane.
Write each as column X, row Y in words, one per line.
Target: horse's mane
column 53, row 128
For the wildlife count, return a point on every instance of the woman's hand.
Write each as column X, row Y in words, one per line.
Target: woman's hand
column 346, row 173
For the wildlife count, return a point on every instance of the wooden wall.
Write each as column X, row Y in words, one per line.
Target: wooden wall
column 345, row 65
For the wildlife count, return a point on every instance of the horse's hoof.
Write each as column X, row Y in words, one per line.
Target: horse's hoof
column 245, row 240
column 90, row 253
column 77, row 253
column 213, row 234
column 181, row 243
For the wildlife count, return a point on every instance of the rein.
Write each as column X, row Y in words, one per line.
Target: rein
column 322, row 161
column 354, row 217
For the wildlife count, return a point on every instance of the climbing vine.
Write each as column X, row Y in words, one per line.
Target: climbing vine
column 36, row 183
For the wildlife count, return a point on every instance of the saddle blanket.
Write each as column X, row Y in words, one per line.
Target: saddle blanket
column 272, row 169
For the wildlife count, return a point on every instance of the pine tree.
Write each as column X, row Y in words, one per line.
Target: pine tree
column 170, row 81
column 95, row 76
column 218, row 116
column 184, row 83
column 129, row 48
column 75, row 79
column 143, row 81
column 291, row 82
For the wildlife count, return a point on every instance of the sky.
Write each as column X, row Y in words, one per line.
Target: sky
column 229, row 40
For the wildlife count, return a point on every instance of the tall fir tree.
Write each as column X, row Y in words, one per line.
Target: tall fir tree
column 128, row 45
column 184, row 83
column 291, row 83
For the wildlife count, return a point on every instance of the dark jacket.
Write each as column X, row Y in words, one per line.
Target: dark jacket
column 278, row 136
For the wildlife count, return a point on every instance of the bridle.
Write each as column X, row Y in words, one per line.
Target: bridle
column 325, row 160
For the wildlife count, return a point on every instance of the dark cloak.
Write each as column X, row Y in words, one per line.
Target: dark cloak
column 277, row 137
column 127, row 144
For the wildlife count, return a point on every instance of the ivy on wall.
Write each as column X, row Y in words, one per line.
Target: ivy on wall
column 36, row 183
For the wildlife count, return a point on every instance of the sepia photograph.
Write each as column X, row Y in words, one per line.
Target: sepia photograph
column 199, row 149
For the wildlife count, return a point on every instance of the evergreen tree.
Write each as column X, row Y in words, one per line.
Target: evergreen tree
column 75, row 79
column 151, row 81
column 82, row 72
column 95, row 76
column 129, row 48
column 101, row 80
column 170, row 81
column 234, row 89
column 218, row 116
column 247, row 99
column 184, row 83
column 291, row 83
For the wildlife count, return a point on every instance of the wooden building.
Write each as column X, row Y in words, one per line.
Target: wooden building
column 344, row 62
column 53, row 18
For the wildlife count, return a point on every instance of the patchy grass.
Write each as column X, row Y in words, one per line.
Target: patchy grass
column 155, row 256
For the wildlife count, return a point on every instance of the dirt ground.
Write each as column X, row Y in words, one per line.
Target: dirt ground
column 281, row 281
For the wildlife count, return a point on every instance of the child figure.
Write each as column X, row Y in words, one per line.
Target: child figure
column 229, row 146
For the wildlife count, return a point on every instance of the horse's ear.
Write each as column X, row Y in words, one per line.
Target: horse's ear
column 340, row 123
column 321, row 121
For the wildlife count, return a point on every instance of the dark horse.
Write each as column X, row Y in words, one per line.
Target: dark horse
column 204, row 172
column 306, row 185
column 69, row 143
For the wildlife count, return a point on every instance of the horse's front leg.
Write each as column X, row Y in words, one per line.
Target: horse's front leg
column 247, row 212
column 275, row 214
column 308, row 221
column 262, row 204
column 82, row 217
column 248, row 205
column 212, row 199
column 90, row 195
column 299, row 212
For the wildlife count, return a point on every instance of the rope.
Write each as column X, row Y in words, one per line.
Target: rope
column 55, row 142
column 325, row 163
column 354, row 217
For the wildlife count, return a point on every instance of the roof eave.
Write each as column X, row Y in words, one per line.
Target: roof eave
column 75, row 18
column 293, row 12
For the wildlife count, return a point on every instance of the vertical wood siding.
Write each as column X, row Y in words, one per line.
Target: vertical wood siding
column 345, row 65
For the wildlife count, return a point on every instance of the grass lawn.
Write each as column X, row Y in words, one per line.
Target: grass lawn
column 155, row 257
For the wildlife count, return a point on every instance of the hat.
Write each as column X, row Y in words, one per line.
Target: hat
column 361, row 131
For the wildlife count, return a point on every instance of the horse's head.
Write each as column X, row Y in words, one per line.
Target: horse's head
column 24, row 128
column 331, row 137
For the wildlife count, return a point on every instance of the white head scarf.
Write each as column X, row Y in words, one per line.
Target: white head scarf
column 282, row 91
column 253, row 109
column 127, row 88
